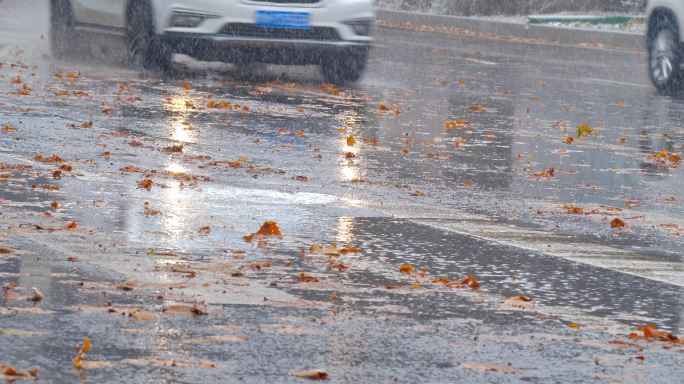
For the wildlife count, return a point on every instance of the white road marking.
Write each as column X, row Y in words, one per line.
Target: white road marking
column 480, row 61
column 617, row 82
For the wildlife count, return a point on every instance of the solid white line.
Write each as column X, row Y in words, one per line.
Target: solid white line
column 481, row 61
column 617, row 82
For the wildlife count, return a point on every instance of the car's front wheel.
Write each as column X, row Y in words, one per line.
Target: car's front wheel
column 664, row 53
column 146, row 49
column 61, row 28
column 344, row 67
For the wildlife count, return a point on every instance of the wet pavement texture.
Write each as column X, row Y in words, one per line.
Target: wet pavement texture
column 470, row 159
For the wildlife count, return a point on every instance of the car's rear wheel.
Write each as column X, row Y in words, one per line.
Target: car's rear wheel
column 344, row 67
column 146, row 49
column 61, row 28
column 664, row 53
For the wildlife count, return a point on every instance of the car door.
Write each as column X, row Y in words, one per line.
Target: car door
column 107, row 13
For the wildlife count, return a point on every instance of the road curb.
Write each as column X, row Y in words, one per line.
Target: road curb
column 567, row 35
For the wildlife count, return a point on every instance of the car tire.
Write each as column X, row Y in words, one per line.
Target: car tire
column 664, row 54
column 61, row 28
column 146, row 49
column 344, row 67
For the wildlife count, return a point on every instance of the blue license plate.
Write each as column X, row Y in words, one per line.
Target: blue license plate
column 277, row 19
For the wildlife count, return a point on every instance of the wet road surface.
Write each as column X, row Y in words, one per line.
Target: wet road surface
column 462, row 166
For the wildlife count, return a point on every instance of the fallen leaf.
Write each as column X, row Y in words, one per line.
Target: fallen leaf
column 228, row 327
column 198, row 308
column 18, row 332
column 617, row 223
column 321, row 250
column 12, row 296
column 95, row 364
column 174, row 149
column 268, row 230
column 317, row 374
column 37, row 296
column 81, row 351
column 521, row 302
column 487, row 367
column 306, row 279
column 145, row 184
column 143, row 315
column 231, row 338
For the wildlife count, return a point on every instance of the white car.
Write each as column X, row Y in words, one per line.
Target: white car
column 664, row 38
column 335, row 34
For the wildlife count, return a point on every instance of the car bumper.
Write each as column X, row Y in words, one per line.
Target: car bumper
column 336, row 15
column 265, row 50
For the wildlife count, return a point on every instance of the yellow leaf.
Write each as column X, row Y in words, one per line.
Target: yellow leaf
column 321, row 250
column 81, row 351
column 316, row 374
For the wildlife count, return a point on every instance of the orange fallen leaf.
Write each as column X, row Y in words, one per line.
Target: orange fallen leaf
column 12, row 296
column 521, row 302
column 145, row 184
column 306, row 279
column 81, row 351
column 470, row 281
column 321, row 250
column 173, row 149
column 617, row 223
column 198, row 308
column 487, row 367
column 205, row 230
column 315, row 374
column 143, row 315
column 96, row 364
column 48, row 159
column 269, row 229
column 351, row 141
column 573, row 325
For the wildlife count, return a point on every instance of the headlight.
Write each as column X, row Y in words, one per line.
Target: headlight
column 360, row 27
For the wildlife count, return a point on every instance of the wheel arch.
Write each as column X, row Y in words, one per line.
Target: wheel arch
column 159, row 13
column 666, row 9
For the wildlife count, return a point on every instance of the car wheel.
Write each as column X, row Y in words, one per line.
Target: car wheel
column 146, row 49
column 664, row 54
column 345, row 67
column 61, row 28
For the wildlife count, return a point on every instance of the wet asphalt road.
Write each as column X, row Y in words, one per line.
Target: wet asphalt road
column 476, row 200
